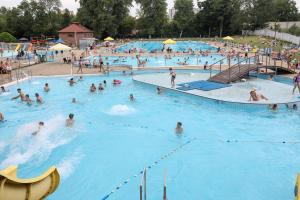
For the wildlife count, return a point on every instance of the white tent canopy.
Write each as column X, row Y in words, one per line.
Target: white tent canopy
column 60, row 47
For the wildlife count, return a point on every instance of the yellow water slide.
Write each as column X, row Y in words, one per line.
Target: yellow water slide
column 13, row 188
column 18, row 47
column 297, row 188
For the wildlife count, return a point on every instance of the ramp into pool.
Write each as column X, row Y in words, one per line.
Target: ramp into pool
column 277, row 93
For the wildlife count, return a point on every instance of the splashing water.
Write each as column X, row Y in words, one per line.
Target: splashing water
column 121, row 110
column 25, row 147
column 67, row 166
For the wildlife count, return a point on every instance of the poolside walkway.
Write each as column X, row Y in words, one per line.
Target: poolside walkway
column 278, row 93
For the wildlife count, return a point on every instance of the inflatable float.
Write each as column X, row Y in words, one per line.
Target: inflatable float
column 13, row 188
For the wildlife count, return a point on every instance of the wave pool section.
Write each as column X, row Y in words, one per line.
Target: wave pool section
column 180, row 46
column 114, row 139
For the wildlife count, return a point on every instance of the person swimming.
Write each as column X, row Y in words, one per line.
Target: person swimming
column 116, row 82
column 46, row 87
column 74, row 100
column 273, row 107
column 179, row 128
column 100, row 87
column 28, row 100
column 71, row 82
column 80, row 78
column 158, row 90
column 40, row 126
column 104, row 83
column 93, row 88
column 21, row 95
column 3, row 90
column 256, row 97
column 131, row 97
column 70, row 120
column 39, row 99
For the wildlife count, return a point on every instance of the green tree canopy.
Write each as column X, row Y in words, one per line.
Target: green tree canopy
column 184, row 14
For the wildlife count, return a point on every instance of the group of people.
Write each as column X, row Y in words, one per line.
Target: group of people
column 26, row 98
column 5, row 66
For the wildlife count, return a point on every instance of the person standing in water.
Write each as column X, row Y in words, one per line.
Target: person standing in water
column 179, row 128
column 296, row 81
column 131, row 98
column 21, row 95
column 70, row 120
column 39, row 99
column 1, row 117
column 71, row 82
column 28, row 100
column 46, row 87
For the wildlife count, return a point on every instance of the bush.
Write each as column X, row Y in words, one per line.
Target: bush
column 294, row 30
column 7, row 37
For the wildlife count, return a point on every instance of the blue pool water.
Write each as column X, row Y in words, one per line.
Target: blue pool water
column 180, row 46
column 160, row 61
column 114, row 139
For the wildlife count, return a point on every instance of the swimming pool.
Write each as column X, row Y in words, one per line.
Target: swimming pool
column 161, row 61
column 8, row 54
column 237, row 154
column 180, row 46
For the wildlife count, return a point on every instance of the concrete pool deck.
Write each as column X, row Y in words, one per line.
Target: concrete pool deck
column 277, row 93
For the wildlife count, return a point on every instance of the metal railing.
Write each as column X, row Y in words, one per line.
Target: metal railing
column 218, row 62
column 143, row 185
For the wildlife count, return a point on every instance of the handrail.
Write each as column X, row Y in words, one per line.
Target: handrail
column 210, row 66
column 143, row 184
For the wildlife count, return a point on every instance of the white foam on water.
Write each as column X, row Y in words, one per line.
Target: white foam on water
column 25, row 147
column 121, row 110
column 5, row 94
column 35, row 83
column 67, row 166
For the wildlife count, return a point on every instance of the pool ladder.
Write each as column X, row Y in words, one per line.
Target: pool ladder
column 143, row 186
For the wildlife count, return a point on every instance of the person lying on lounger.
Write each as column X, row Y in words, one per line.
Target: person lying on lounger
column 255, row 96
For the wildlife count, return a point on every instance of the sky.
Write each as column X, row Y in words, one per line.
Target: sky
column 72, row 5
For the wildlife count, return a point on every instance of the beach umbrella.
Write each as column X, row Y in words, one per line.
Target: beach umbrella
column 23, row 39
column 59, row 41
column 228, row 38
column 109, row 39
column 60, row 47
column 169, row 41
column 254, row 50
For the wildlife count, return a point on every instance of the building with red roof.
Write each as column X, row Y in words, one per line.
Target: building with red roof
column 75, row 32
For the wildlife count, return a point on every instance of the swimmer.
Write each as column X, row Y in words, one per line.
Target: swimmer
column 71, row 82
column 74, row 100
column 80, row 78
column 158, row 90
column 131, row 97
column 1, row 117
column 46, row 87
column 93, row 88
column 40, row 126
column 100, row 87
column 256, row 97
column 273, row 107
column 271, row 77
column 3, row 89
column 21, row 95
column 179, row 128
column 294, row 107
column 39, row 99
column 104, row 83
column 28, row 100
column 70, row 120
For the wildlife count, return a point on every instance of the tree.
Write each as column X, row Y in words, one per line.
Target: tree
column 285, row 10
column 7, row 37
column 103, row 16
column 184, row 14
column 153, row 17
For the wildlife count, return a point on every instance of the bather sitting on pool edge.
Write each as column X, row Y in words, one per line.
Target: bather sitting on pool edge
column 255, row 96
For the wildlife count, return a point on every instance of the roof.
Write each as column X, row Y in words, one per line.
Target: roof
column 75, row 27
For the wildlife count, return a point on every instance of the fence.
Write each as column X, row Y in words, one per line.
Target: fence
column 279, row 35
